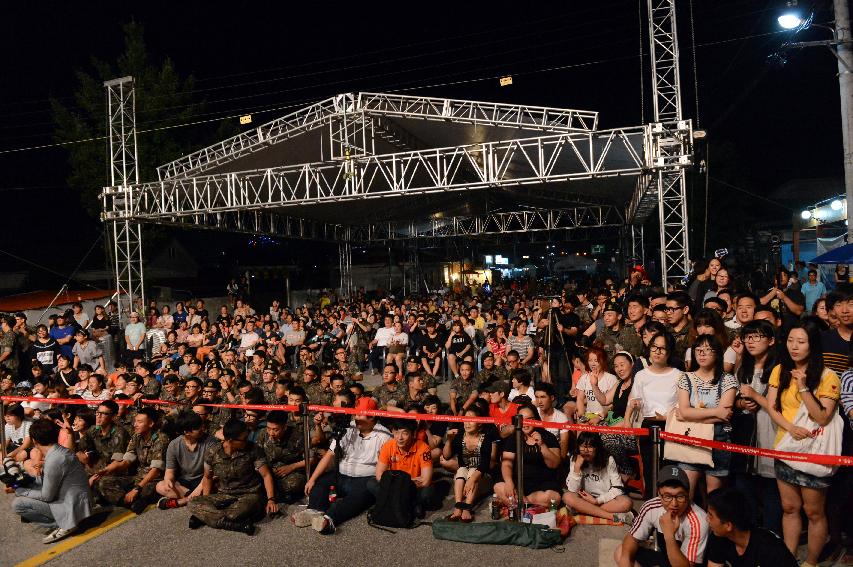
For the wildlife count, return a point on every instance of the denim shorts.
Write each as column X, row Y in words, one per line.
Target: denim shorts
column 722, row 459
column 786, row 473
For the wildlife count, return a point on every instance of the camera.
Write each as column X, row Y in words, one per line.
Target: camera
column 13, row 475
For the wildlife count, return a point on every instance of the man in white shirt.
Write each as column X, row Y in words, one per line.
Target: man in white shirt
column 679, row 526
column 249, row 338
column 356, row 453
column 380, row 342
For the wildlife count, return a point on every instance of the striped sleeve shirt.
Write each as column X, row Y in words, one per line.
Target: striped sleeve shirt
column 847, row 392
column 836, row 351
column 692, row 532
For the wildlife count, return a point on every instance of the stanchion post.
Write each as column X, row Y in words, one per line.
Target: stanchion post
column 654, row 433
column 3, row 429
column 517, row 421
column 306, row 432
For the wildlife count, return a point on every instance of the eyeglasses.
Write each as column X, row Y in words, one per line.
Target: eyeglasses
column 704, row 351
column 754, row 338
column 668, row 498
column 656, row 348
column 669, row 309
column 103, row 413
column 209, row 391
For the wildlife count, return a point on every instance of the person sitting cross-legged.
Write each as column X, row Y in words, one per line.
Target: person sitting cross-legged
column 184, row 462
column 594, row 486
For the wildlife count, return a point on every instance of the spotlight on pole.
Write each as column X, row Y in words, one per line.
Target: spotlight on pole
column 836, row 205
column 789, row 20
column 806, row 215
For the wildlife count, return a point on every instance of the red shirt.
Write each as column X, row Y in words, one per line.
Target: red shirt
column 495, row 411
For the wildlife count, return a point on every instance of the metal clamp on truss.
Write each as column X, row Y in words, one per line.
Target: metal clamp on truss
column 671, row 144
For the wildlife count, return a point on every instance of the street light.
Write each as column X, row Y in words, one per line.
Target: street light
column 790, row 20
column 806, row 215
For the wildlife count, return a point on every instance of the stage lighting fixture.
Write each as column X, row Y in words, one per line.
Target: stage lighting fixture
column 806, row 215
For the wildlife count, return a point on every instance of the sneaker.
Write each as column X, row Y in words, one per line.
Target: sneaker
column 56, row 535
column 626, row 518
column 304, row 518
column 323, row 525
column 195, row 523
column 166, row 503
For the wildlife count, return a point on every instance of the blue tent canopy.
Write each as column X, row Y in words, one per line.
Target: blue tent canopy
column 840, row 255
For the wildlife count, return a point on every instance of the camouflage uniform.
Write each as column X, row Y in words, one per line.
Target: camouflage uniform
column 463, row 390
column 626, row 338
column 238, row 497
column 585, row 317
column 385, row 397
column 218, row 416
column 317, row 394
column 151, row 390
column 485, row 376
column 291, row 449
column 255, row 375
column 349, row 370
column 8, row 343
column 144, row 454
column 682, row 341
column 107, row 448
column 269, row 394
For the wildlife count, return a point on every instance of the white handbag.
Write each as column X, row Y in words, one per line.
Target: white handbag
column 826, row 441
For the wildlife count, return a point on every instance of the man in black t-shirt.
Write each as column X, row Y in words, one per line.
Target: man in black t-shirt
column 836, row 342
column 564, row 325
column 734, row 542
column 790, row 303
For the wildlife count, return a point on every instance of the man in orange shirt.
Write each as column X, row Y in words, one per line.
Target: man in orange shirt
column 500, row 407
column 406, row 453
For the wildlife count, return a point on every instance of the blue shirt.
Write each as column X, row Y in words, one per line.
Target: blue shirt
column 57, row 333
column 812, row 293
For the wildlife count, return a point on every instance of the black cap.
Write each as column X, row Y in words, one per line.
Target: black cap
column 612, row 305
column 671, row 473
column 413, row 359
column 499, row 386
column 136, row 379
column 212, row 384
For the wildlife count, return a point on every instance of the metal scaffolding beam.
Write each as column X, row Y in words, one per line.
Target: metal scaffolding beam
column 546, row 159
column 342, row 112
column 672, row 147
column 125, row 232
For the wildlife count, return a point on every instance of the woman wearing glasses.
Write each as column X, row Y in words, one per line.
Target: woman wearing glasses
column 752, row 426
column 654, row 393
column 707, row 395
column 800, row 379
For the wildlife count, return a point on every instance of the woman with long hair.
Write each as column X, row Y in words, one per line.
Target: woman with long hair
column 473, row 450
column 592, row 387
column 708, row 322
column 621, row 447
column 594, row 486
column 800, row 379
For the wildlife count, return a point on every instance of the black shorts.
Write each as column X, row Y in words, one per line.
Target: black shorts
column 190, row 485
column 651, row 558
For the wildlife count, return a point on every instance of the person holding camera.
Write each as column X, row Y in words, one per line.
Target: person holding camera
column 60, row 499
column 355, row 450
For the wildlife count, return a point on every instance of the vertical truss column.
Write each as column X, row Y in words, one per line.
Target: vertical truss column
column 345, row 267
column 671, row 182
column 350, row 133
column 126, row 234
column 637, row 251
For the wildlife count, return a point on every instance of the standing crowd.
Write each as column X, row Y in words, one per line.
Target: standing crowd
column 726, row 357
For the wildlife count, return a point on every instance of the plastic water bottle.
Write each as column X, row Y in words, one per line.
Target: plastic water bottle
column 495, row 508
column 513, row 509
column 333, row 496
column 552, row 507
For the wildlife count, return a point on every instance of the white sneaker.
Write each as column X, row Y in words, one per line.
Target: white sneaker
column 626, row 518
column 303, row 518
column 56, row 535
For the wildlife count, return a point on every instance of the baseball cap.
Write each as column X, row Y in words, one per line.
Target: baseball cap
column 214, row 384
column 366, row 403
column 413, row 359
column 612, row 305
column 672, row 473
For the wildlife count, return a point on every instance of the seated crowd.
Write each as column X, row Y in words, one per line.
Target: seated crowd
column 750, row 364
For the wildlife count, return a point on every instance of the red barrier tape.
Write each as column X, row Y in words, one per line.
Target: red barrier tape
column 830, row 460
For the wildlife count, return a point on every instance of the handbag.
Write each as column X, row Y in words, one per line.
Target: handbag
column 681, row 453
column 826, row 441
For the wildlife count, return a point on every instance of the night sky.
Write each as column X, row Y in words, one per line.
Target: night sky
column 769, row 124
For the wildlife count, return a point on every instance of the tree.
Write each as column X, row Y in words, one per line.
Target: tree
column 163, row 100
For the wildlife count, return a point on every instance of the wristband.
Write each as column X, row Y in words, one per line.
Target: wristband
column 271, row 499
column 803, row 390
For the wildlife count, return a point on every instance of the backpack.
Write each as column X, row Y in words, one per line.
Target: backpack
column 395, row 501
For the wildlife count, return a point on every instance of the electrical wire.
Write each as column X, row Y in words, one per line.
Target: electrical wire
column 695, row 73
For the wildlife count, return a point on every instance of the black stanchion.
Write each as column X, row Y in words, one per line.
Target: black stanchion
column 654, row 434
column 306, row 433
column 3, row 429
column 517, row 421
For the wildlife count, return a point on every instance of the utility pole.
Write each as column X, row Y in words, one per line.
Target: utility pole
column 844, row 53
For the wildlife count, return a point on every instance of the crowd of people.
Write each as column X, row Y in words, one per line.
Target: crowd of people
column 726, row 355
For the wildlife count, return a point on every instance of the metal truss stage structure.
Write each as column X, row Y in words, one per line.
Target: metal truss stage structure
column 360, row 168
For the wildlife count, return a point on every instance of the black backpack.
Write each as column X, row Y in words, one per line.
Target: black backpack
column 395, row 501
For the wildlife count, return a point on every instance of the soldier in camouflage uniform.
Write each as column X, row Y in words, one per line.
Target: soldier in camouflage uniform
column 611, row 335
column 414, row 365
column 390, row 392
column 218, row 416
column 150, row 385
column 490, row 372
column 584, row 309
column 463, row 387
column 678, row 312
column 104, row 444
column 8, row 346
column 240, row 469
column 350, row 370
column 284, row 448
column 146, row 453
column 268, row 381
column 359, row 341
column 316, row 387
column 124, row 417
